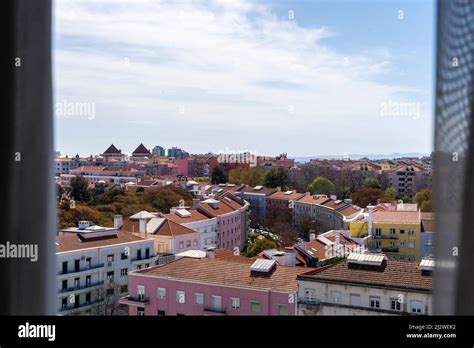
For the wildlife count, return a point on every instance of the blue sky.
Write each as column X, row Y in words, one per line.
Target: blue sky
column 305, row 77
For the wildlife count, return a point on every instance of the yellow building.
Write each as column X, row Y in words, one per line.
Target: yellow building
column 395, row 233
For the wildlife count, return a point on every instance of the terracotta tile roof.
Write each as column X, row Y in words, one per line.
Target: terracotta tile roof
column 395, row 274
column 112, row 150
column 195, row 216
column 311, row 200
column 130, row 225
column 263, row 191
column 222, row 209
column 282, row 278
column 228, row 255
column 349, row 210
column 281, row 195
column 71, row 241
column 172, row 229
column 397, row 217
column 141, row 149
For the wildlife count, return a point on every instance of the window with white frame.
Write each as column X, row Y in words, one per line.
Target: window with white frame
column 161, row 293
column 416, row 306
column 309, row 294
column 255, row 306
column 180, row 296
column 411, row 245
column 393, row 231
column 355, row 300
column 411, row 232
column 374, row 301
column 395, row 305
column 378, row 231
column 282, row 309
column 235, row 303
column 216, row 302
column 198, row 298
column 336, row 296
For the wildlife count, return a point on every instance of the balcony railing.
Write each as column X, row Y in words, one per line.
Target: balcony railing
column 80, row 306
column 83, row 269
column 309, row 302
column 215, row 310
column 385, row 237
column 87, row 286
column 134, row 299
column 390, row 250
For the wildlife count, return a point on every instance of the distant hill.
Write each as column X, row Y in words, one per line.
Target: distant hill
column 359, row 156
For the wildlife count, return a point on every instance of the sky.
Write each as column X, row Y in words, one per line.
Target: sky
column 308, row 77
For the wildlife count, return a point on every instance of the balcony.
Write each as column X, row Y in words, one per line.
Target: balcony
column 390, row 250
column 215, row 311
column 82, row 271
column 385, row 237
column 134, row 300
column 309, row 306
column 68, row 309
column 160, row 259
column 80, row 289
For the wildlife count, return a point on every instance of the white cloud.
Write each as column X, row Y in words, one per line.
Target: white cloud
column 235, row 67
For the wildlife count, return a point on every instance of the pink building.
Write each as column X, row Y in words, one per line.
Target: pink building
column 219, row 286
column 230, row 224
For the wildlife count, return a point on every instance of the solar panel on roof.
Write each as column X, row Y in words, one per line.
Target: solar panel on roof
column 366, row 259
column 262, row 265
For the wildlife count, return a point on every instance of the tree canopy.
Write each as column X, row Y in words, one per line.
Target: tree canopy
column 277, row 178
column 218, row 175
column 322, row 185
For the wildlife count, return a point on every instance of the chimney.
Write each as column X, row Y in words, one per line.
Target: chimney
column 312, row 236
column 371, row 219
column 142, row 227
column 118, row 221
column 211, row 253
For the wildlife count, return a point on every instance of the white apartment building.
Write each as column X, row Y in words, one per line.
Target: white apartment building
column 367, row 284
column 93, row 264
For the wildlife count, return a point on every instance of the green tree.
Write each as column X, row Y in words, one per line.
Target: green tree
column 424, row 200
column 390, row 192
column 371, row 182
column 252, row 176
column 260, row 244
column 277, row 178
column 322, row 185
column 80, row 189
column 218, row 175
column 366, row 196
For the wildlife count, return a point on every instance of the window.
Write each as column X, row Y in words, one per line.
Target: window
column 282, row 309
column 402, row 244
column 402, row 257
column 378, row 231
column 195, row 242
column 76, row 265
column 416, row 306
column 188, row 243
column 198, row 298
column 123, row 288
column 393, row 231
column 411, row 245
column 411, row 232
column 141, row 292
column 402, row 231
column 235, row 303
column 110, row 292
column 374, row 302
column 255, row 306
column 76, row 283
column 392, row 244
column 124, row 272
column 64, row 287
column 181, row 245
column 180, row 296
column 140, row 311
column 355, row 300
column 110, row 276
column 395, row 305
column 161, row 313
column 88, row 297
column 161, row 293
column 309, row 294
column 411, row 258
column 336, row 296
column 110, row 258
column 216, row 302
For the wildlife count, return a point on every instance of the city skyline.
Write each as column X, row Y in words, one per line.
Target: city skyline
column 242, row 75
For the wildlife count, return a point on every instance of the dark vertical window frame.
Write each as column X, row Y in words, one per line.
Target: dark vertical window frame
column 27, row 191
